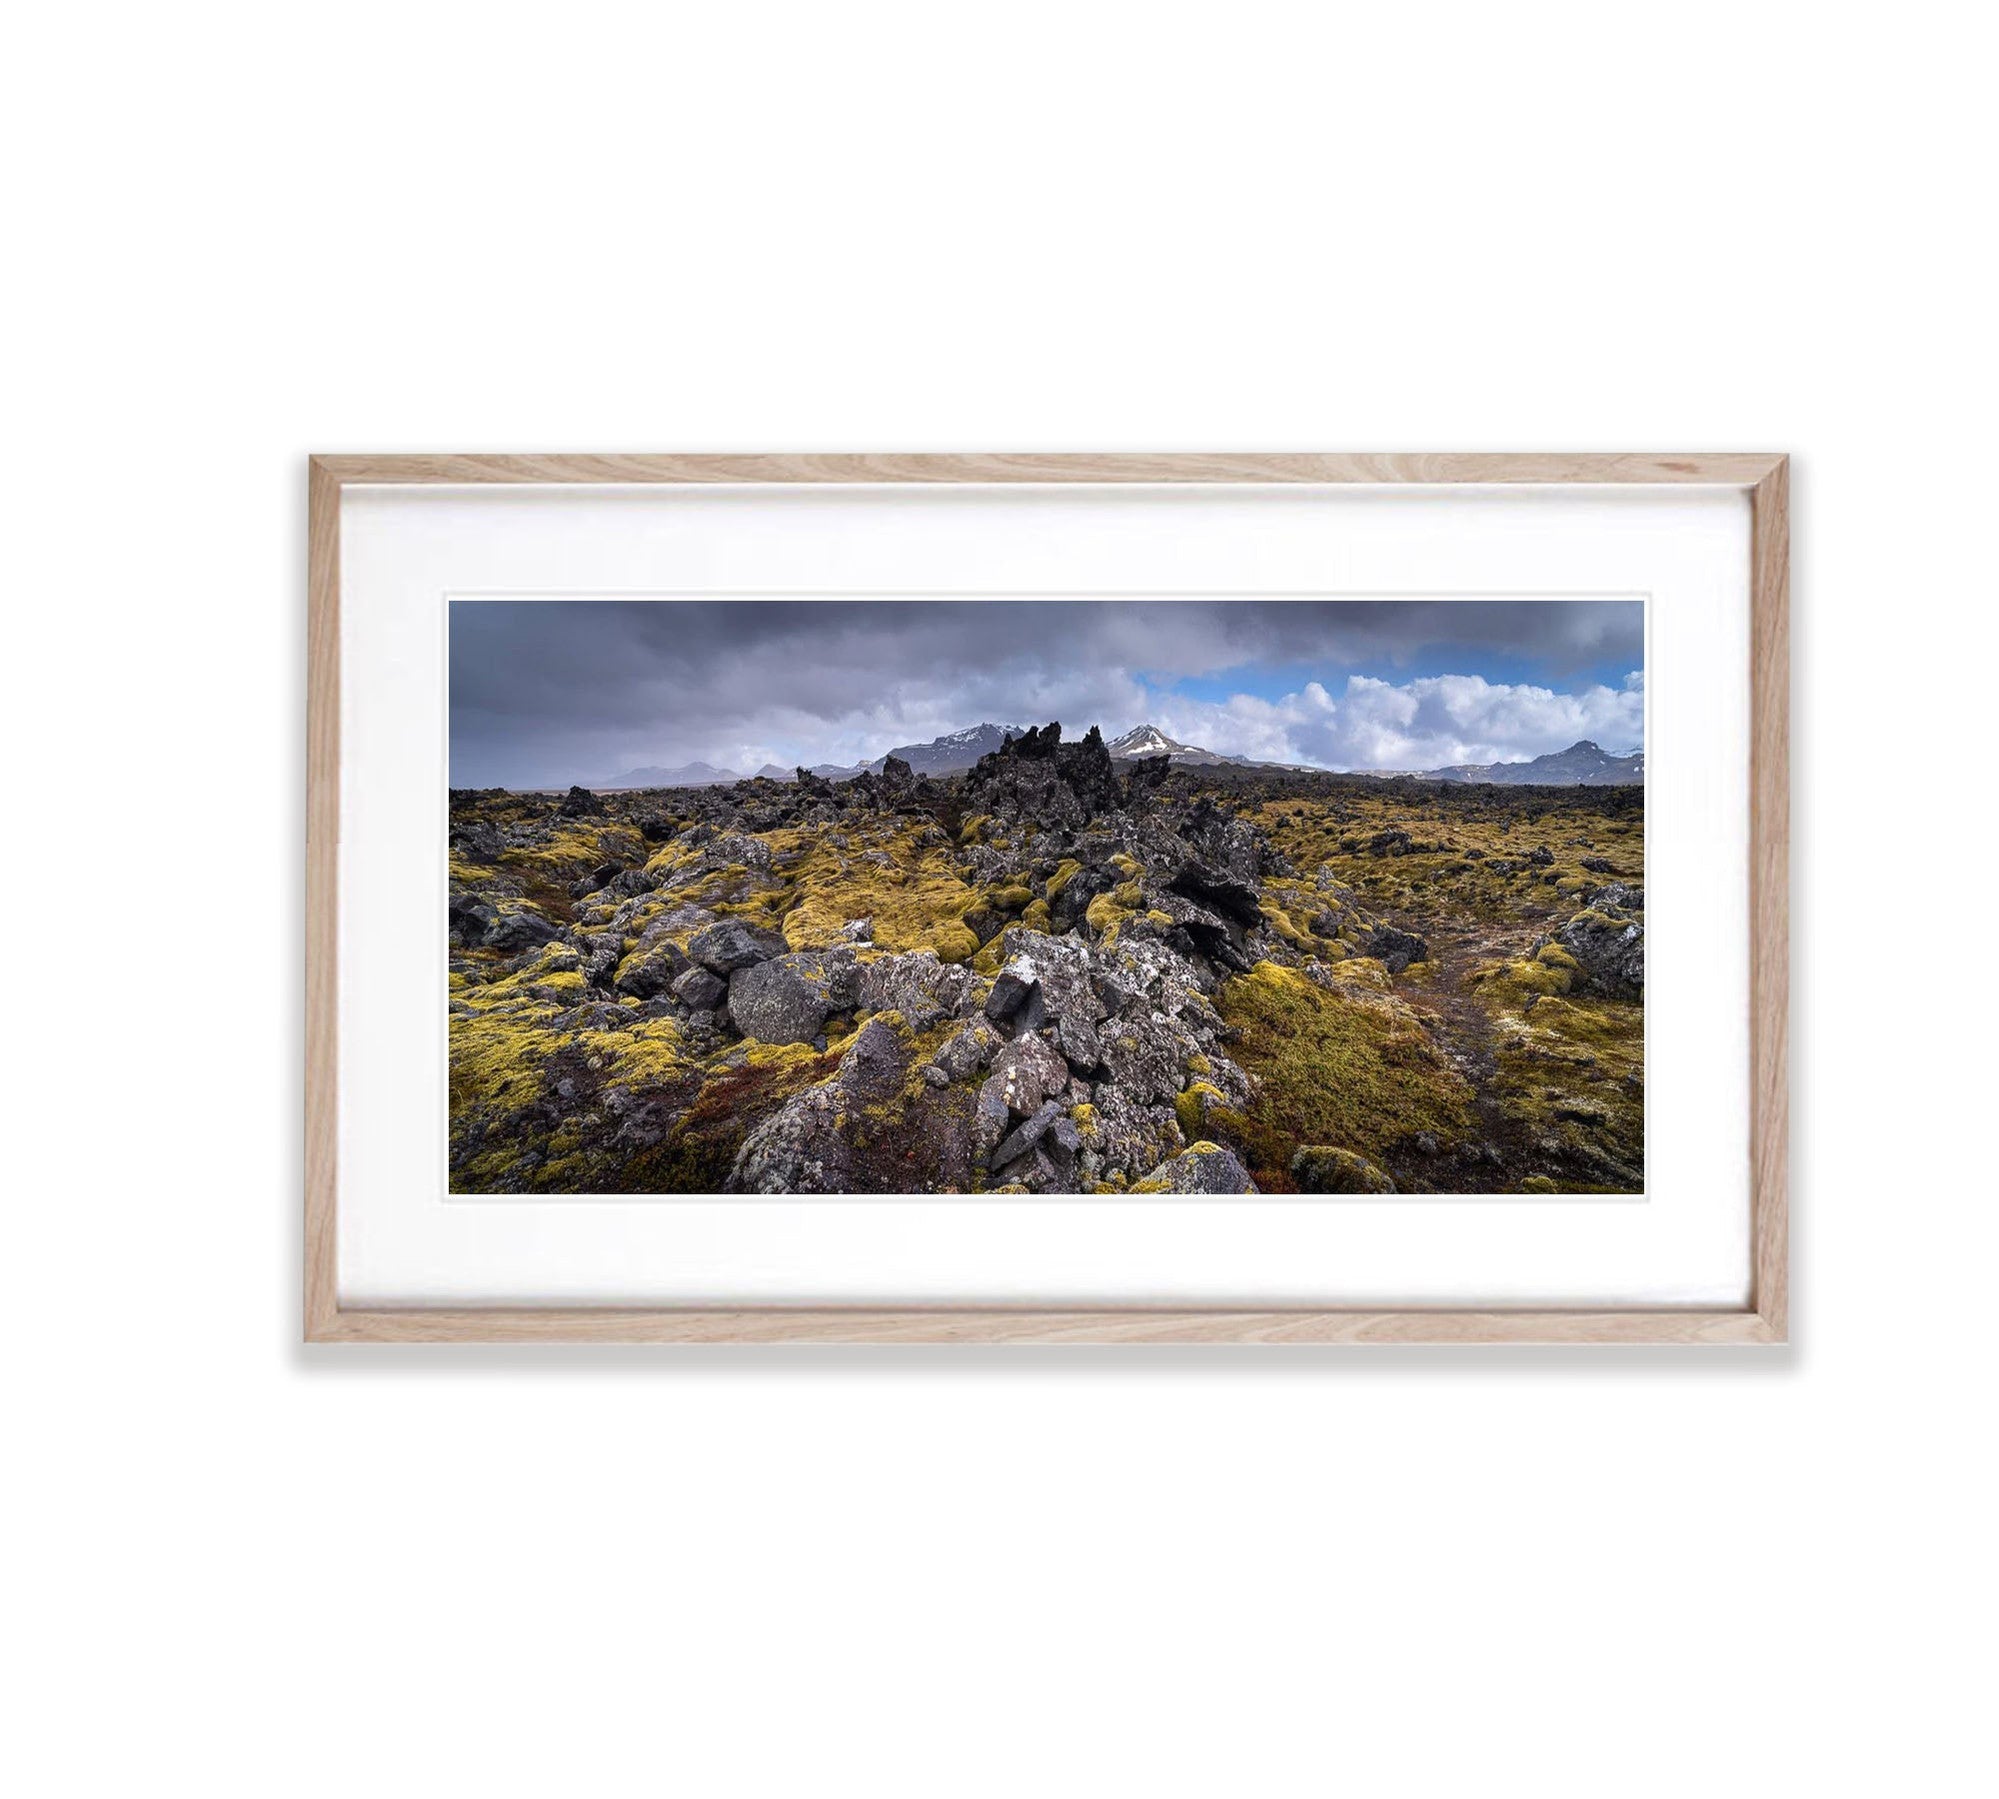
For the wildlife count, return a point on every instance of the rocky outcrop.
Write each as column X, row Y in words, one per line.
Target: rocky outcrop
column 1324, row 1168
column 518, row 931
column 1232, row 845
column 1145, row 1057
column 1025, row 1074
column 1396, row 949
column 1023, row 972
column 874, row 1063
column 1054, row 977
column 1204, row 1168
column 785, row 1000
column 967, row 1053
column 803, row 1147
column 468, row 920
column 699, row 988
column 1615, row 899
column 1057, row 784
column 725, row 947
column 924, row 989
column 1216, row 890
column 1609, row 953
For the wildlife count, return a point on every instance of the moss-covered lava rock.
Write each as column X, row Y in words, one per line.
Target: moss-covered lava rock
column 1055, row 973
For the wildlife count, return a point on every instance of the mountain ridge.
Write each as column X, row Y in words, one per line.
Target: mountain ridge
column 1584, row 762
column 688, row 774
column 950, row 754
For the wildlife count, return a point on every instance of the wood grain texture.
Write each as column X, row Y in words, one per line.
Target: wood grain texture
column 1765, row 1321
column 774, row 1324
column 322, row 897
column 1728, row 468
column 1770, row 897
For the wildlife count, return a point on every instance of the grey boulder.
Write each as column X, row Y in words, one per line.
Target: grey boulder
column 699, row 989
column 1610, row 952
column 873, row 1065
column 1324, row 1168
column 731, row 944
column 1206, row 1168
column 922, row 988
column 518, row 931
column 1025, row 1073
column 968, row 1052
column 781, row 1001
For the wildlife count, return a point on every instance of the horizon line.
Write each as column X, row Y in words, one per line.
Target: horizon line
column 728, row 775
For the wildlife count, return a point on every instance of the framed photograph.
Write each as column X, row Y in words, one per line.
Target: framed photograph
column 1059, row 899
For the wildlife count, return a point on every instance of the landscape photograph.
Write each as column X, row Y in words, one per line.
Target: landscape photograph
column 1060, row 898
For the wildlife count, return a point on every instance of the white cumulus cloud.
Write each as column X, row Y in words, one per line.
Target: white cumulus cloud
column 1430, row 722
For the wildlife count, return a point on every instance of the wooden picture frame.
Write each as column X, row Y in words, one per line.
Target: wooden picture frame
column 1765, row 1320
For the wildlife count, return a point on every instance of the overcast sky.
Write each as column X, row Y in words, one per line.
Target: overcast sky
column 546, row 692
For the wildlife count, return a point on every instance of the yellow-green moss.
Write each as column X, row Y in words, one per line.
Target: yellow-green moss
column 497, row 1058
column 1191, row 1106
column 1107, row 912
column 1516, row 985
column 916, row 901
column 1571, row 1073
column 1288, row 909
column 953, row 941
column 1567, row 1068
column 648, row 1053
column 573, row 849
column 670, row 858
column 1608, row 1027
column 1335, row 1067
column 554, row 968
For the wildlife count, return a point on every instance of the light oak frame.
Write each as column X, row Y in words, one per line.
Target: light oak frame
column 1765, row 478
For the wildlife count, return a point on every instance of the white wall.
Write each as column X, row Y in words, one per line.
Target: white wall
column 242, row 234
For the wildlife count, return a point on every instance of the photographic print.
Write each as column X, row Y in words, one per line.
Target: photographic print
column 1054, row 897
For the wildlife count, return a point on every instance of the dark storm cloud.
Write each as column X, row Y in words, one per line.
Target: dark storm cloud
column 545, row 692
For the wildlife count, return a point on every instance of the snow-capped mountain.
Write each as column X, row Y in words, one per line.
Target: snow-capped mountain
column 1150, row 740
column 954, row 753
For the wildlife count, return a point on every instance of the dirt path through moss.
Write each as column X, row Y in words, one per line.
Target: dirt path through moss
column 1462, row 1027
